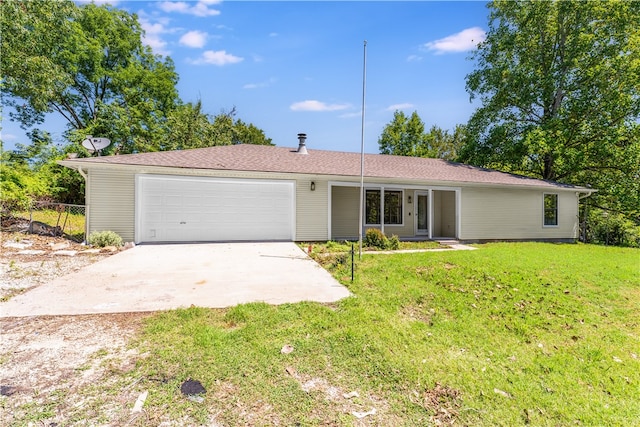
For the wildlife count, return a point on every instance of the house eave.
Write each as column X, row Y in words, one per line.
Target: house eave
column 539, row 185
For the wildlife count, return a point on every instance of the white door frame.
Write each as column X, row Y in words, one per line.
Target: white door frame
column 416, row 195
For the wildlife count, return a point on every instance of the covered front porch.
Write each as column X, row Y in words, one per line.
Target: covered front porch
column 409, row 212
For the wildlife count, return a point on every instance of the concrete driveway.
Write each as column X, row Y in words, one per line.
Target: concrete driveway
column 163, row 277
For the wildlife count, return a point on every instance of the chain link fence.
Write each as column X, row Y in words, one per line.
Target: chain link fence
column 48, row 219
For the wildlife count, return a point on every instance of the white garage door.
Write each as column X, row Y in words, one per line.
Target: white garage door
column 197, row 209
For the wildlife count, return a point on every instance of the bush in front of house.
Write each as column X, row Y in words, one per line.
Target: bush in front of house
column 375, row 238
column 104, row 238
column 394, row 242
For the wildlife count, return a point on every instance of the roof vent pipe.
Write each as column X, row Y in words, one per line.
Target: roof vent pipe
column 302, row 148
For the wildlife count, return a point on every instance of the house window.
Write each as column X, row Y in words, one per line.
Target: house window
column 372, row 207
column 392, row 207
column 550, row 209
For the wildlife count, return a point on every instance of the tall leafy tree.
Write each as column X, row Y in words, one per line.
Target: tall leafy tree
column 406, row 136
column 88, row 65
column 189, row 127
column 248, row 133
column 559, row 86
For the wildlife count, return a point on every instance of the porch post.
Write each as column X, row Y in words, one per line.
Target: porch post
column 430, row 216
column 382, row 209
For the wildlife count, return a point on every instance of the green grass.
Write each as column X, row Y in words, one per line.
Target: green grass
column 511, row 334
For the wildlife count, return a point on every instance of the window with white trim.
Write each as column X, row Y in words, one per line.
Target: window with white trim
column 392, row 207
column 550, row 210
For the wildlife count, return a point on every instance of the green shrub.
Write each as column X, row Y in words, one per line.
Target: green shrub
column 374, row 238
column 394, row 242
column 104, row 238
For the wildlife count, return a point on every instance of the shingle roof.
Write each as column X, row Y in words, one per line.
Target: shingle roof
column 261, row 158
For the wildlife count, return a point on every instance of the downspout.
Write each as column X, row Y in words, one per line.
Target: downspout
column 86, row 213
column 580, row 197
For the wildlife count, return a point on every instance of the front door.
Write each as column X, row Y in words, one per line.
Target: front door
column 422, row 213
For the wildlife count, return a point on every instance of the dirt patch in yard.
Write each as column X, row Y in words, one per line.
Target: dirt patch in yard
column 49, row 365
column 30, row 260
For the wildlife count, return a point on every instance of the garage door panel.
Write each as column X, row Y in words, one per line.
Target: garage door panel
column 174, row 209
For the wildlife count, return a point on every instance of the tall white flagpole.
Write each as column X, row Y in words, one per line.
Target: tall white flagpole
column 364, row 86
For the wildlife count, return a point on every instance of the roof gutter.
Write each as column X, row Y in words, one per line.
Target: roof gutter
column 584, row 194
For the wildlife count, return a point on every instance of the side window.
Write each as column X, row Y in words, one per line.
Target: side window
column 550, row 209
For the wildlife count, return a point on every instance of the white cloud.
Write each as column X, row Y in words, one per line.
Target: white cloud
column 196, row 39
column 403, row 106
column 273, row 34
column 267, row 83
column 152, row 35
column 201, row 8
column 220, row 58
column 463, row 41
column 7, row 136
column 313, row 105
column 414, row 58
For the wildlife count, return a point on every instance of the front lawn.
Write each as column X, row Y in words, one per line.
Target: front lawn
column 510, row 334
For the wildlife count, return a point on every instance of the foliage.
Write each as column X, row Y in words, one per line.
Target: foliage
column 189, row 127
column 89, row 65
column 560, row 92
column 105, row 238
column 406, row 136
column 525, row 333
column 612, row 229
column 244, row 133
column 394, row 242
column 375, row 238
column 40, row 176
column 18, row 186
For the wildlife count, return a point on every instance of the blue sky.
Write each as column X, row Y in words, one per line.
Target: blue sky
column 297, row 66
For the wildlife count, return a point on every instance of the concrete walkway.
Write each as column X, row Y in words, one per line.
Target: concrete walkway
column 163, row 277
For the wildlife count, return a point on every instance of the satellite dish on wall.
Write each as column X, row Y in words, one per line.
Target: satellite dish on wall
column 93, row 144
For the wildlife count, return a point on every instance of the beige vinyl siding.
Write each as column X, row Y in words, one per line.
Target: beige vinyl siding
column 444, row 215
column 498, row 213
column 311, row 210
column 110, row 200
column 344, row 212
column 486, row 212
